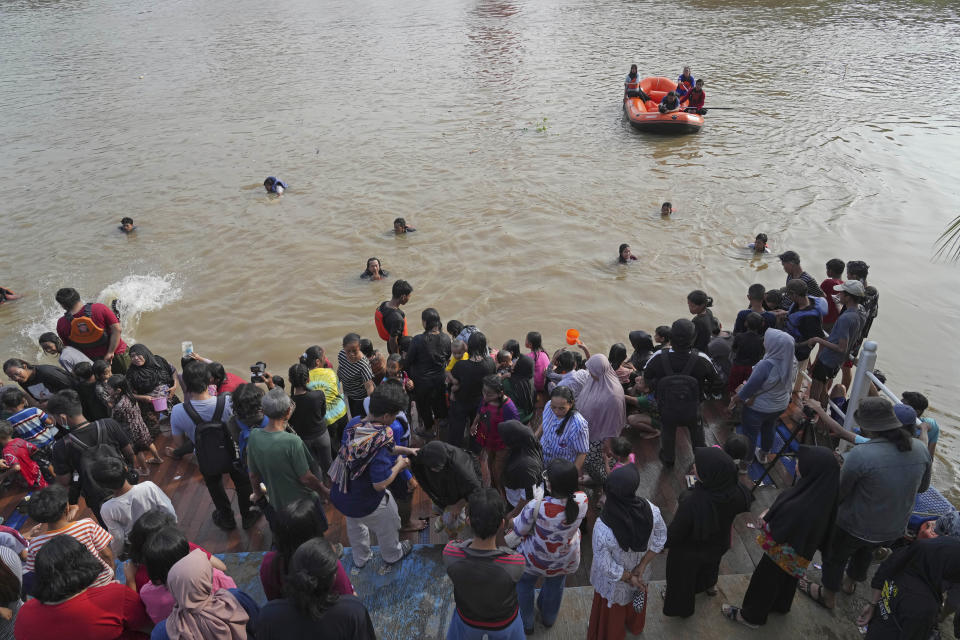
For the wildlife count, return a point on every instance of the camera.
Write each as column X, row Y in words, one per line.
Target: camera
column 810, row 413
column 256, row 372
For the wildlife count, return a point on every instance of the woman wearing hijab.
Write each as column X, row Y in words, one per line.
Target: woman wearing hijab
column 551, row 542
column 519, row 388
column 201, row 612
column 523, row 469
column 766, row 393
column 642, row 348
column 699, row 534
column 150, row 377
column 908, row 590
column 602, row 405
column 626, row 537
column 790, row 532
column 447, row 475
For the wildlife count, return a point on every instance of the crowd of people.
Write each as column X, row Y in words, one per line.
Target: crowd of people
column 511, row 445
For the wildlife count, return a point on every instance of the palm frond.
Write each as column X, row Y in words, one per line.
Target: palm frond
column 948, row 244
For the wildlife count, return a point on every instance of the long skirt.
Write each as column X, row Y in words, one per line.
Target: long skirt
column 612, row 623
column 689, row 571
column 771, row 589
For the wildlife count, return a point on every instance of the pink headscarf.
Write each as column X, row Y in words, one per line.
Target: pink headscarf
column 200, row 612
column 601, row 400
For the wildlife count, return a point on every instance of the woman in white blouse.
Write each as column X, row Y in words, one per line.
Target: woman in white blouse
column 628, row 534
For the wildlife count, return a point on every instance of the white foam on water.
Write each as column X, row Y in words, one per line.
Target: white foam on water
column 135, row 295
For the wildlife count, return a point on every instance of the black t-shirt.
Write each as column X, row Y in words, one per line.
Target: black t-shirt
column 484, row 583
column 394, row 320
column 93, row 407
column 66, row 454
column 347, row 619
column 809, row 326
column 703, row 369
column 747, row 348
column 470, row 375
column 307, row 418
column 428, row 357
column 46, row 381
column 704, row 324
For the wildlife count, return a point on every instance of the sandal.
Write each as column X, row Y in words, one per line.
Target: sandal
column 806, row 587
column 731, row 612
column 157, row 460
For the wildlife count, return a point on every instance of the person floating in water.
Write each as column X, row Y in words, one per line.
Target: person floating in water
column 8, row 295
column 274, row 185
column 695, row 99
column 759, row 245
column 401, row 227
column 373, row 271
column 666, row 209
column 625, row 254
column 670, row 103
column 685, row 82
column 126, row 225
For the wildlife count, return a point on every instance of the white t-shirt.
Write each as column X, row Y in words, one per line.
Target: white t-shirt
column 71, row 357
column 121, row 512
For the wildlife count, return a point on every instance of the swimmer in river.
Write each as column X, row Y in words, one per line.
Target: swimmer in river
column 126, row 225
column 759, row 245
column 274, row 185
column 401, row 227
column 625, row 254
column 8, row 295
column 666, row 209
column 373, row 271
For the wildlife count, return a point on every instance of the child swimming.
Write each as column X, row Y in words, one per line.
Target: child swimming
column 625, row 254
column 759, row 245
column 126, row 225
column 666, row 209
column 274, row 185
column 401, row 227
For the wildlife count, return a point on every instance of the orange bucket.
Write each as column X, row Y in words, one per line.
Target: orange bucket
column 572, row 336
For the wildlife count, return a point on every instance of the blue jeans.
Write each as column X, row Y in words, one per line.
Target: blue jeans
column 460, row 630
column 752, row 421
column 551, row 595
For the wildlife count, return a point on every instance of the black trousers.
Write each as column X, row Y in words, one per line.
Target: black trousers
column 846, row 551
column 771, row 589
column 668, row 439
column 430, row 396
column 241, row 482
column 690, row 570
column 336, row 435
column 356, row 407
column 460, row 418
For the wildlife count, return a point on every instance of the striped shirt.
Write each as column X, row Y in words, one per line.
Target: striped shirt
column 352, row 375
column 484, row 584
column 574, row 440
column 88, row 533
column 29, row 425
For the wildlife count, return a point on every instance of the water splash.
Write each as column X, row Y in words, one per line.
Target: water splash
column 134, row 295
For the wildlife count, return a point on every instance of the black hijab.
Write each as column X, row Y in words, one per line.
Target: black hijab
column 682, row 334
column 456, row 478
column 628, row 515
column 154, row 372
column 717, row 497
column 930, row 562
column 524, row 466
column 642, row 348
column 521, row 384
column 802, row 516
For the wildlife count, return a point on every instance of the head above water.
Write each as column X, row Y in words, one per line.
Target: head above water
column 666, row 209
column 399, row 225
column 126, row 224
column 760, row 242
column 373, row 266
column 623, row 252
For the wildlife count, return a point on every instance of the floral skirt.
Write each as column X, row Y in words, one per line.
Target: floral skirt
column 595, row 464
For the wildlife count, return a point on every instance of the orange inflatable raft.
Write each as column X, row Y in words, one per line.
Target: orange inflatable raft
column 645, row 116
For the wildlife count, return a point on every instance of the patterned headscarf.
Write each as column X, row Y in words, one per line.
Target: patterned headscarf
column 364, row 441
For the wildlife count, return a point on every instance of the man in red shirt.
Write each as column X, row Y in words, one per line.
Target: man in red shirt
column 833, row 280
column 93, row 329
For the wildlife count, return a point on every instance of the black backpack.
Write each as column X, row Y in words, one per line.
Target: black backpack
column 93, row 493
column 216, row 451
column 678, row 394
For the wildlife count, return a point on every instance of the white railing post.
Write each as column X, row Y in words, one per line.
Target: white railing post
column 866, row 362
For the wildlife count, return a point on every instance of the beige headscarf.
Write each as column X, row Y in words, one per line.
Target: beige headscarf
column 197, row 611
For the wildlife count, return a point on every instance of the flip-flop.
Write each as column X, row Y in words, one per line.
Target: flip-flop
column 155, row 461
column 731, row 612
column 805, row 587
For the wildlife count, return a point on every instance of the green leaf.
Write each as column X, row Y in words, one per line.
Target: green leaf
column 948, row 244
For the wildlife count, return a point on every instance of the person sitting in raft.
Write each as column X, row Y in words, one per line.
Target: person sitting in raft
column 8, row 294
column 274, row 185
column 625, row 254
column 631, row 86
column 126, row 225
column 759, row 245
column 401, row 227
column 695, row 99
column 685, row 82
column 373, row 270
column 670, row 103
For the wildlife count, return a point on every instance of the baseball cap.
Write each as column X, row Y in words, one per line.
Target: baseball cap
column 906, row 414
column 854, row 288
